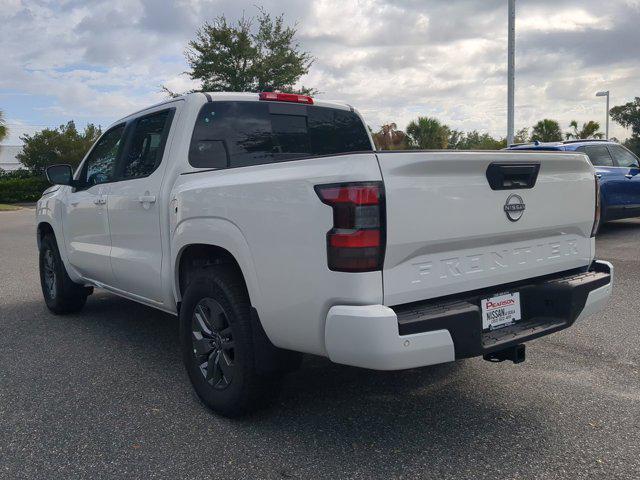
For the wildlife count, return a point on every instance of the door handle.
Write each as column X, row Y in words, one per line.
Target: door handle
column 100, row 201
column 628, row 175
column 147, row 199
column 503, row 176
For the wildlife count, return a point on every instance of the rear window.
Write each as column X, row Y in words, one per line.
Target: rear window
column 239, row 134
column 624, row 158
column 598, row 154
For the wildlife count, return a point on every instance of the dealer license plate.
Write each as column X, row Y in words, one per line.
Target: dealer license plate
column 500, row 311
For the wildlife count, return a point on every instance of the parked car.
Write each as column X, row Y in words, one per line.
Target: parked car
column 270, row 225
column 616, row 167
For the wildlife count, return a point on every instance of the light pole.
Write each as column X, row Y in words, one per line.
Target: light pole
column 605, row 93
column 511, row 68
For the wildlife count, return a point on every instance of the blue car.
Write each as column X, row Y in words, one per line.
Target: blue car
column 616, row 167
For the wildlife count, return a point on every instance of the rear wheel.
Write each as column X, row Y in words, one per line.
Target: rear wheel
column 61, row 294
column 217, row 344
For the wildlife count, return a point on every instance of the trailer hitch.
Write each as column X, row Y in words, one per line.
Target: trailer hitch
column 516, row 354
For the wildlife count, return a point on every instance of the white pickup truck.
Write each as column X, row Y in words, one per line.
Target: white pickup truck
column 270, row 225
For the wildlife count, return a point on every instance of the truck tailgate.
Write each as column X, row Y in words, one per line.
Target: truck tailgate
column 448, row 230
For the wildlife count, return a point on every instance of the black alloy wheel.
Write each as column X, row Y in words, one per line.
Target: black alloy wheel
column 213, row 345
column 61, row 294
column 49, row 273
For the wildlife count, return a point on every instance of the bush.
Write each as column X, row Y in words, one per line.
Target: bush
column 20, row 173
column 28, row 189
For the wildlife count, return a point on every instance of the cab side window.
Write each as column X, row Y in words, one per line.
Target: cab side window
column 598, row 154
column 146, row 145
column 623, row 157
column 100, row 165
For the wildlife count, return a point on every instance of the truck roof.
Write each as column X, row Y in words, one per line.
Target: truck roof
column 250, row 96
column 204, row 97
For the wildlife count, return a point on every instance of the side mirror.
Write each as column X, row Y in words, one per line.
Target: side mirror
column 60, row 175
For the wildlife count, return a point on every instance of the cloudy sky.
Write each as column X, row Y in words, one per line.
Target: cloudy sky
column 94, row 61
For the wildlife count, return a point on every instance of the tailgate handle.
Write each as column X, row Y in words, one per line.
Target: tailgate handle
column 512, row 176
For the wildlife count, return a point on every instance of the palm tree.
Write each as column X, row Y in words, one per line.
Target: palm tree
column 390, row 138
column 428, row 133
column 546, row 131
column 589, row 130
column 4, row 131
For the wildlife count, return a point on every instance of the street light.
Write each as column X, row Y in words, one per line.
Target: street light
column 605, row 93
column 511, row 72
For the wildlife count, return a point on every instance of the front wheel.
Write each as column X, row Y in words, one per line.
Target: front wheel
column 61, row 294
column 217, row 344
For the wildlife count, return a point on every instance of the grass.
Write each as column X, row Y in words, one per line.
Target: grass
column 7, row 208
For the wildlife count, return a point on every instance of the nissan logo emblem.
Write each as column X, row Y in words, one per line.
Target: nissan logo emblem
column 514, row 207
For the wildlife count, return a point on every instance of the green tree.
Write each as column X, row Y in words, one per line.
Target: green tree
column 390, row 138
column 628, row 115
column 59, row 145
column 474, row 140
column 546, row 131
column 241, row 58
column 4, row 131
column 456, row 139
column 633, row 144
column 522, row 136
column 589, row 130
column 428, row 133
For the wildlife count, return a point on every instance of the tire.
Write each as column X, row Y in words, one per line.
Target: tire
column 61, row 294
column 217, row 344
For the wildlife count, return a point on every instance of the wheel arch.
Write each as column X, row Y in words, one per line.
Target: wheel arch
column 44, row 228
column 197, row 256
column 210, row 241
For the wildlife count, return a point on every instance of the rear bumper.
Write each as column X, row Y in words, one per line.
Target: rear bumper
column 441, row 330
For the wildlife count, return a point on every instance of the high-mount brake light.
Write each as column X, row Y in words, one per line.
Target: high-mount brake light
column 286, row 97
column 598, row 209
column 356, row 243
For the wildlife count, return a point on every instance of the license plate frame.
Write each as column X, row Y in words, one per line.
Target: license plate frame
column 500, row 310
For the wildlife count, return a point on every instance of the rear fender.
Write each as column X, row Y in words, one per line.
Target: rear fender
column 220, row 233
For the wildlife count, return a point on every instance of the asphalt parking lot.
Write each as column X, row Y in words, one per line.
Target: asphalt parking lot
column 103, row 394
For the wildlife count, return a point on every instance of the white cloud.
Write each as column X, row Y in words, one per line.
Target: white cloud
column 569, row 20
column 96, row 60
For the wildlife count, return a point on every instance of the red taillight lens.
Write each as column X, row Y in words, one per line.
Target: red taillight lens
column 286, row 97
column 598, row 210
column 355, row 239
column 356, row 242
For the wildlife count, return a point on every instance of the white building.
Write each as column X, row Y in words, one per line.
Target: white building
column 8, row 160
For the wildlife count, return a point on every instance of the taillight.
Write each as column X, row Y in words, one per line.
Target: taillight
column 286, row 97
column 598, row 209
column 356, row 243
